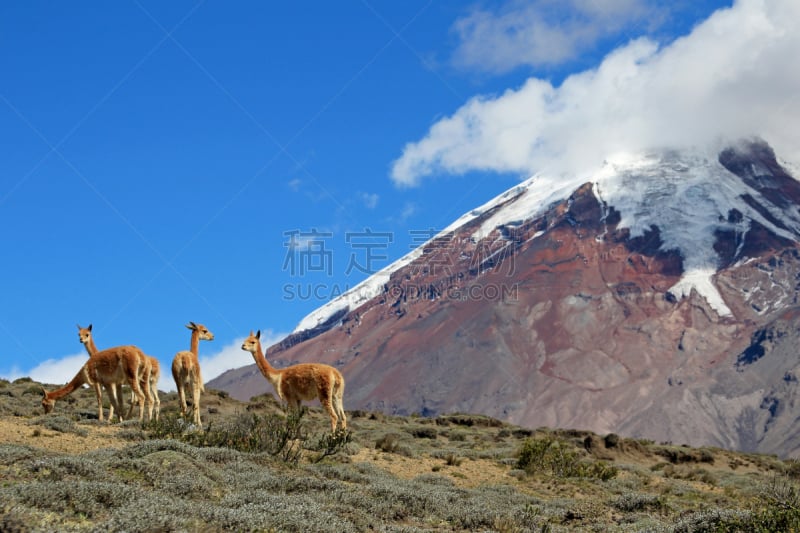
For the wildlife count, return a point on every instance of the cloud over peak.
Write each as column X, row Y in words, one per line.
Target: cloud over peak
column 731, row 77
column 543, row 32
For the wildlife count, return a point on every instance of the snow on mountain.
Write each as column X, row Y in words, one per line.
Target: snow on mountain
column 688, row 195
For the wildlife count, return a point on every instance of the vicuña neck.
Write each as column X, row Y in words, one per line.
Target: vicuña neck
column 91, row 349
column 195, row 346
column 269, row 372
column 79, row 379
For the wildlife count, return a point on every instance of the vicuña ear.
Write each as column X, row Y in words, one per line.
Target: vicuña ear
column 258, row 335
column 90, row 327
column 44, row 391
column 79, row 326
column 191, row 326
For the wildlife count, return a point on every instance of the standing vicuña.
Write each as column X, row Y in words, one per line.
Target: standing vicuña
column 155, row 375
column 149, row 382
column 107, row 369
column 304, row 381
column 186, row 370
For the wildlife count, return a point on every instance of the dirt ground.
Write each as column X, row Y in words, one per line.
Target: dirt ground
column 17, row 430
column 469, row 473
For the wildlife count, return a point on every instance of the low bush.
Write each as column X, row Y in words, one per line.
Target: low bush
column 549, row 455
column 424, row 432
column 59, row 423
column 611, row 440
column 679, row 455
column 689, row 474
column 392, row 443
column 637, row 501
column 279, row 436
column 468, row 420
column 330, row 444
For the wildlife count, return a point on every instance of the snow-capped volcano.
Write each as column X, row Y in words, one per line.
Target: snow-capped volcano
column 656, row 296
column 689, row 195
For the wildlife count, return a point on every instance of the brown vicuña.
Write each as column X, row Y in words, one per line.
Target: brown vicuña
column 186, row 370
column 154, row 409
column 305, row 381
column 149, row 382
column 107, row 369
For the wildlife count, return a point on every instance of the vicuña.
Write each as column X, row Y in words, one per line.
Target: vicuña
column 108, row 369
column 149, row 382
column 305, row 381
column 186, row 370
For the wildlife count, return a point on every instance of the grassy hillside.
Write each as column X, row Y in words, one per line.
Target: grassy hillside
column 254, row 469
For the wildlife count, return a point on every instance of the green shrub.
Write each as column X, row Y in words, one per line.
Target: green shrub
column 556, row 457
column 715, row 521
column 689, row 474
column 12, row 453
column 452, row 459
column 637, row 501
column 533, row 454
column 279, row 436
column 388, row 443
column 392, row 443
column 522, row 433
column 61, row 467
column 61, row 424
column 468, row 420
column 677, row 455
column 599, row 470
column 792, row 468
column 779, row 505
column 424, row 433
column 457, row 436
column 330, row 444
column 776, row 508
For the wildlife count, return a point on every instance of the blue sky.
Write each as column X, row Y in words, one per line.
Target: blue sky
column 166, row 162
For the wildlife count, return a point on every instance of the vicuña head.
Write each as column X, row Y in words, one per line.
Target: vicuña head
column 305, row 381
column 203, row 333
column 85, row 335
column 48, row 403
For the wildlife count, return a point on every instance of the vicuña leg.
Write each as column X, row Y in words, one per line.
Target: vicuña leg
column 325, row 395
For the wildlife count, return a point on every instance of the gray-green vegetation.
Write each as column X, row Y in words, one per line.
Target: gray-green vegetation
column 252, row 468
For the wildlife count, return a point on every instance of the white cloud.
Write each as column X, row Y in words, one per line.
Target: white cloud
column 544, row 32
column 733, row 76
column 294, row 184
column 231, row 356
column 370, row 199
column 409, row 210
column 57, row 371
column 306, row 241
